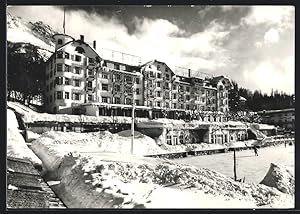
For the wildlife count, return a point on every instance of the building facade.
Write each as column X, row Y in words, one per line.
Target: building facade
column 79, row 80
column 284, row 118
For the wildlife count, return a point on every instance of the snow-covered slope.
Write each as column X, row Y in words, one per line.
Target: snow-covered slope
column 16, row 146
column 38, row 34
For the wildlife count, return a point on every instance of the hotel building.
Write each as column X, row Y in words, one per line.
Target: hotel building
column 83, row 80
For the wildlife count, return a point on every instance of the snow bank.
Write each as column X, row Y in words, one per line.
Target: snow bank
column 32, row 135
column 240, row 144
column 190, row 147
column 51, row 146
column 97, row 182
column 280, row 177
column 16, row 145
column 91, row 178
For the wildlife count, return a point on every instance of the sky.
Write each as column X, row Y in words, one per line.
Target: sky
column 252, row 45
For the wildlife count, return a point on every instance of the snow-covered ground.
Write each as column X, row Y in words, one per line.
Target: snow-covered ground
column 87, row 177
column 16, row 146
column 111, row 180
column 252, row 167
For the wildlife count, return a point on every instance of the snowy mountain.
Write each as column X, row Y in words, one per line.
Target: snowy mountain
column 39, row 34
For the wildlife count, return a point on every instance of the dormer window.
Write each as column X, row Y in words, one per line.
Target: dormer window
column 80, row 50
column 59, row 41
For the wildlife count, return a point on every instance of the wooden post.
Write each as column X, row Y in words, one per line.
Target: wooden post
column 234, row 164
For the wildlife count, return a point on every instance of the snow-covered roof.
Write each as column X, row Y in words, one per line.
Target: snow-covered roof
column 276, row 111
column 265, row 126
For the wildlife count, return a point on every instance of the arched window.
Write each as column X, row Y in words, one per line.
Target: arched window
column 59, row 41
column 80, row 50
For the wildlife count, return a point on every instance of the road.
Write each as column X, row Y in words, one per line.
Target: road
column 252, row 167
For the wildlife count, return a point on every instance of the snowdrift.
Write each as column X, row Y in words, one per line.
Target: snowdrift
column 281, row 178
column 16, row 145
column 113, row 180
column 57, row 144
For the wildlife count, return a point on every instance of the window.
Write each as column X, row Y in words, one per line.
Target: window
column 128, row 79
column 167, row 95
column 117, row 100
column 79, row 50
column 187, row 107
column 167, row 105
column 77, row 70
column 188, row 89
column 137, row 80
column 187, row 97
column 158, row 67
column 137, row 102
column 67, row 55
column 174, row 87
column 158, row 94
column 181, row 88
column 158, row 84
column 137, row 91
column 59, row 80
column 59, row 95
column 174, row 105
column 77, row 58
column 117, row 67
column 67, row 81
column 117, row 76
column 158, row 75
column 169, row 139
column 90, row 84
column 59, row 67
column 203, row 99
column 67, row 68
column 59, row 41
column 117, row 88
column 110, row 65
column 128, row 101
column 181, row 139
column 174, row 96
column 150, row 103
column 67, row 94
column 104, row 87
column 166, row 85
column 181, row 106
column 123, row 67
column 59, row 55
column 105, row 75
column 151, row 74
column 90, row 97
column 175, row 139
column 91, row 60
column 76, row 96
column 158, row 104
column 77, row 83
column 167, row 77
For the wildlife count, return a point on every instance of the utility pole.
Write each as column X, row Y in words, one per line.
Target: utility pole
column 234, row 164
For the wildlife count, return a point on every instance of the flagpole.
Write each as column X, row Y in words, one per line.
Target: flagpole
column 64, row 23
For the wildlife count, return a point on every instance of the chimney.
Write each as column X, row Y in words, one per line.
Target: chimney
column 82, row 38
column 94, row 44
column 189, row 74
